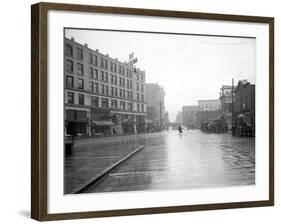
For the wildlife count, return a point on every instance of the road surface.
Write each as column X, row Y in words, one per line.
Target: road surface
column 191, row 160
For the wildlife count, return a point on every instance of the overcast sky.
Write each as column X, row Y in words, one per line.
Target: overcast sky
column 189, row 67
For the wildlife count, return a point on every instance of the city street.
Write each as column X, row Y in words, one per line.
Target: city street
column 171, row 161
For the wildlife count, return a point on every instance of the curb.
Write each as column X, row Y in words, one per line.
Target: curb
column 116, row 135
column 97, row 178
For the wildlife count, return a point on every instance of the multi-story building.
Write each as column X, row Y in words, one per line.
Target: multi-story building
column 179, row 118
column 155, row 99
column 245, row 99
column 227, row 99
column 189, row 116
column 103, row 96
column 205, row 116
column 209, row 105
column 166, row 120
column 207, row 110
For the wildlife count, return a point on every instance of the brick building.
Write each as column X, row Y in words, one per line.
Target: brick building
column 103, row 96
column 207, row 110
column 209, row 105
column 226, row 98
column 227, row 103
column 245, row 99
column 179, row 118
column 189, row 116
column 155, row 98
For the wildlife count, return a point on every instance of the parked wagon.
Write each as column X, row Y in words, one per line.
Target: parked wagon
column 243, row 126
column 218, row 125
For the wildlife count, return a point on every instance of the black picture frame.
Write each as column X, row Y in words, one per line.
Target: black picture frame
column 39, row 106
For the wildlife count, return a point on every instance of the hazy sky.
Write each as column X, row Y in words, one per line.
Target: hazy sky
column 189, row 67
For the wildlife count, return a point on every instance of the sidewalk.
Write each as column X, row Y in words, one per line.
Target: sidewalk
column 91, row 157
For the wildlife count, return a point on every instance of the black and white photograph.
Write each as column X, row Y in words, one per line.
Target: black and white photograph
column 152, row 111
column 139, row 111
column 157, row 111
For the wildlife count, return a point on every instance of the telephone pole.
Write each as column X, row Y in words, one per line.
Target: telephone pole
column 232, row 106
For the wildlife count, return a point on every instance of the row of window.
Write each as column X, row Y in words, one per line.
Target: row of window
column 101, row 62
column 103, row 76
column 95, row 102
column 139, row 77
column 103, row 89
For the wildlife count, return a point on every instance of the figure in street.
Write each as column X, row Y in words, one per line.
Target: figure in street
column 180, row 130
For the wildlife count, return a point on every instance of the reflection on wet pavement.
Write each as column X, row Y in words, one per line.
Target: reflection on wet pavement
column 193, row 160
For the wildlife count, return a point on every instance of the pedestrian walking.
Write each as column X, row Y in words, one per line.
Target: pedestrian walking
column 180, row 130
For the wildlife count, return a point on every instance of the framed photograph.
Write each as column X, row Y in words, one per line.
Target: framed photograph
column 142, row 111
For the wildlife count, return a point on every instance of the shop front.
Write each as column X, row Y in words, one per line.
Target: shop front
column 102, row 128
column 127, row 124
column 140, row 123
column 76, row 123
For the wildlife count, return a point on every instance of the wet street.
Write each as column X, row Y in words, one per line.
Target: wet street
column 171, row 161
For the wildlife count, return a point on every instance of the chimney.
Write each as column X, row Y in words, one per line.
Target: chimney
column 86, row 45
column 72, row 38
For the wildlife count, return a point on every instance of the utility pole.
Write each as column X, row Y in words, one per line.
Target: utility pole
column 134, row 116
column 160, row 109
column 232, row 104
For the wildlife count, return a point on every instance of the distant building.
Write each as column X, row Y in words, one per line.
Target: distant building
column 226, row 98
column 179, row 118
column 209, row 105
column 205, row 116
column 166, row 120
column 189, row 116
column 245, row 99
column 155, row 100
column 166, row 117
column 103, row 96
column 208, row 110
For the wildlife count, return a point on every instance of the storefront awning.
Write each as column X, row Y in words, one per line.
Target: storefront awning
column 77, row 120
column 127, row 121
column 103, row 123
column 149, row 121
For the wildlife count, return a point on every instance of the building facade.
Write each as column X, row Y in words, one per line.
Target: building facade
column 103, row 96
column 209, row 105
column 208, row 110
column 205, row 116
column 155, row 99
column 179, row 118
column 166, row 120
column 245, row 99
column 189, row 116
column 227, row 99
